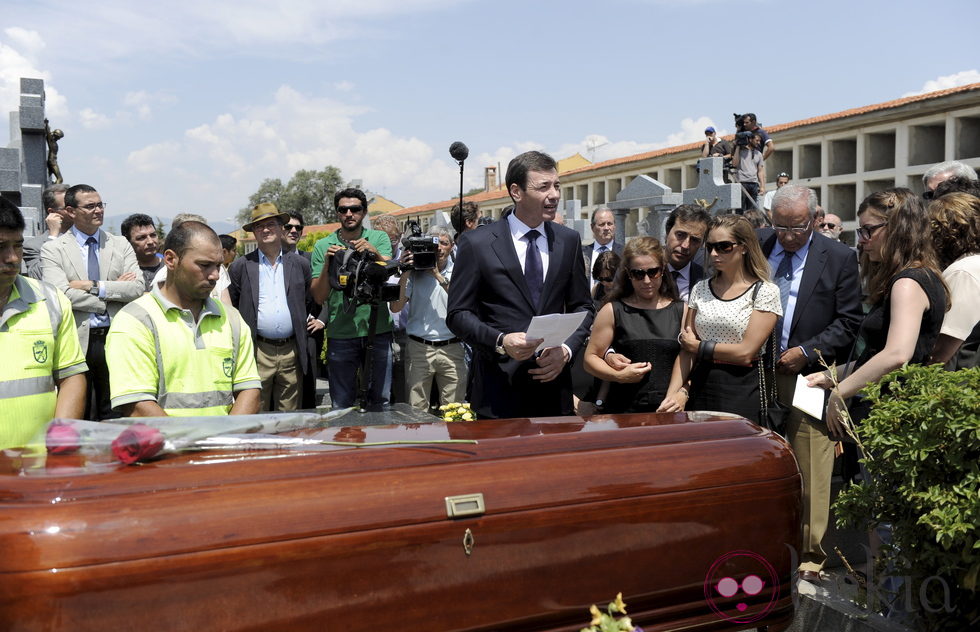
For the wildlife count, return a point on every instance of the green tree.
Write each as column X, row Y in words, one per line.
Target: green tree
column 309, row 191
column 161, row 230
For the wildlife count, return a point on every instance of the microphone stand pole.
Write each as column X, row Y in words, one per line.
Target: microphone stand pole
column 462, row 224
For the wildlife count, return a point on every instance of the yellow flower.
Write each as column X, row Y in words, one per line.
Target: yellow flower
column 447, row 418
column 467, row 417
column 619, row 605
column 596, row 615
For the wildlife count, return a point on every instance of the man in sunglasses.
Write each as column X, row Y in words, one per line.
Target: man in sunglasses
column 99, row 274
column 937, row 174
column 831, row 226
column 347, row 332
column 821, row 298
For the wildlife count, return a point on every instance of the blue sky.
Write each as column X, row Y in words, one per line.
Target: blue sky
column 187, row 106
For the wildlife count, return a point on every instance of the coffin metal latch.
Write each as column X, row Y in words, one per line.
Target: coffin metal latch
column 465, row 505
column 468, row 542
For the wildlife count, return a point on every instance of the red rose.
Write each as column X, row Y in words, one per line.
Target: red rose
column 62, row 438
column 139, row 442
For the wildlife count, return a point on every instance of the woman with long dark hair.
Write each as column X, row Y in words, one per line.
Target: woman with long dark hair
column 640, row 320
column 728, row 319
column 905, row 290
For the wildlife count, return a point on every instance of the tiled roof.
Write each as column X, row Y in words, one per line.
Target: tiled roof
column 786, row 126
column 677, row 149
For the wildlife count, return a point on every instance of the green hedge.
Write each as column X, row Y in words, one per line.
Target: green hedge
column 923, row 435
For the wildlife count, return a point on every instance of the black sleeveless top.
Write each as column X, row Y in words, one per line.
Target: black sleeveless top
column 644, row 335
column 874, row 329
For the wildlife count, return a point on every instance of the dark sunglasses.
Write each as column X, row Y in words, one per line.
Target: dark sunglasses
column 830, row 225
column 343, row 210
column 291, row 227
column 638, row 275
column 721, row 247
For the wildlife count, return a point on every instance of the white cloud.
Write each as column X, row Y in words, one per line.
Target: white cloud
column 343, row 86
column 18, row 58
column 90, row 119
column 143, row 102
column 962, row 78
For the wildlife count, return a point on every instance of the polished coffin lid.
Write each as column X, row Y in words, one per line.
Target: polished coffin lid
column 62, row 513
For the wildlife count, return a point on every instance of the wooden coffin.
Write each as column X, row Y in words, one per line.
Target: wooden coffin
column 658, row 507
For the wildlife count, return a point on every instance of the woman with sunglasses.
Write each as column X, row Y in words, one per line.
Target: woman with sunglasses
column 604, row 271
column 728, row 319
column 955, row 221
column 640, row 319
column 907, row 295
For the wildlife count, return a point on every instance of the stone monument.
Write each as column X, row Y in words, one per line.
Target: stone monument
column 23, row 163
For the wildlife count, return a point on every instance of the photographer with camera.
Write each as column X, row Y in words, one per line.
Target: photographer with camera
column 348, row 326
column 749, row 123
column 433, row 352
column 749, row 167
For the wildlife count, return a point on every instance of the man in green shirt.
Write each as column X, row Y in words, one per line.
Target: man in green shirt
column 347, row 332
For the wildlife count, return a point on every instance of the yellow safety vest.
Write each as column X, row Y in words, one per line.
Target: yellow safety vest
column 30, row 346
column 194, row 370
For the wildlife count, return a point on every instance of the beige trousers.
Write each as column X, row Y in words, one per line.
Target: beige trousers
column 279, row 370
column 445, row 365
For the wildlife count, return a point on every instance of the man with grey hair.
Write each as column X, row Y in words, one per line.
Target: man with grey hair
column 937, row 174
column 433, row 352
column 821, row 298
column 56, row 222
column 604, row 230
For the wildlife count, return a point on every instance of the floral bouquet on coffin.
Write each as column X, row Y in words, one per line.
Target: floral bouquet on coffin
column 457, row 412
column 610, row 621
column 133, row 440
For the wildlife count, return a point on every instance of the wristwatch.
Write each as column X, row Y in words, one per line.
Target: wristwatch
column 94, row 290
column 499, row 348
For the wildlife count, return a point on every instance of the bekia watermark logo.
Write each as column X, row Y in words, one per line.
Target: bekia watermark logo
column 735, row 581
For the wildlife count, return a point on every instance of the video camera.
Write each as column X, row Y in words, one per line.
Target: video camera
column 362, row 278
column 742, row 135
column 425, row 250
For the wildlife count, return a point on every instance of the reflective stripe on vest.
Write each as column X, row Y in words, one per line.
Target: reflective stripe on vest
column 167, row 399
column 26, row 386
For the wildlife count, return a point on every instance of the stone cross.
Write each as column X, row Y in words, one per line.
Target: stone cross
column 644, row 192
column 712, row 187
column 23, row 163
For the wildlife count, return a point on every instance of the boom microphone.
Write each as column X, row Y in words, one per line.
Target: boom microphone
column 459, row 151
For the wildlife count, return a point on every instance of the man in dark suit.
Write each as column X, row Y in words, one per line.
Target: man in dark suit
column 508, row 272
column 270, row 288
column 686, row 228
column 821, row 296
column 603, row 229
column 316, row 320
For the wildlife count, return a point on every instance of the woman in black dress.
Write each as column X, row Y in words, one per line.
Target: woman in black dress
column 907, row 295
column 640, row 322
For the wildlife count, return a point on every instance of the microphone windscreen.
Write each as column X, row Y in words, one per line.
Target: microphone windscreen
column 459, row 151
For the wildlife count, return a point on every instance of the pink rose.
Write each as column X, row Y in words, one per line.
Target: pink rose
column 139, row 442
column 62, row 438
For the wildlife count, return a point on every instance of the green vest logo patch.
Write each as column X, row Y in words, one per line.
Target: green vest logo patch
column 228, row 366
column 40, row 351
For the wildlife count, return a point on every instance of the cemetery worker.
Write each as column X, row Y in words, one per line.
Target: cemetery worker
column 782, row 179
column 220, row 291
column 141, row 233
column 603, row 229
column 831, row 226
column 43, row 375
column 937, row 174
column 821, row 298
column 178, row 351
column 270, row 288
column 432, row 352
column 347, row 332
column 751, row 124
column 56, row 222
column 714, row 145
column 99, row 273
column 507, row 272
column 750, row 171
column 316, row 320
column 686, row 227
column 467, row 220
